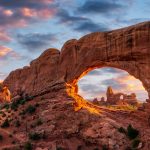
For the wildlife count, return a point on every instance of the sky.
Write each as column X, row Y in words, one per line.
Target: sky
column 28, row 27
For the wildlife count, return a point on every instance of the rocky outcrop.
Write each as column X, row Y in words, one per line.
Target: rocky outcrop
column 55, row 125
column 42, row 74
column 127, row 49
column 115, row 98
column 5, row 95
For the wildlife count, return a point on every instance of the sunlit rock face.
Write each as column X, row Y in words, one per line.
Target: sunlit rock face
column 127, row 49
column 5, row 95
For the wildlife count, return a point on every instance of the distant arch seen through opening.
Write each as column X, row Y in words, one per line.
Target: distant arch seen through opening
column 95, row 83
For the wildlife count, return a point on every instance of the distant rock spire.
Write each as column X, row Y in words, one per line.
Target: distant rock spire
column 109, row 91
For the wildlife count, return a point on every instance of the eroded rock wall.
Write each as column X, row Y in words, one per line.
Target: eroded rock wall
column 127, row 49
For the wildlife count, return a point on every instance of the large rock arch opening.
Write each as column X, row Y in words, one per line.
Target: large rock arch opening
column 72, row 90
column 127, row 49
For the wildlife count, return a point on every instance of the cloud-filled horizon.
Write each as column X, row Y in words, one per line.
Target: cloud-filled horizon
column 28, row 27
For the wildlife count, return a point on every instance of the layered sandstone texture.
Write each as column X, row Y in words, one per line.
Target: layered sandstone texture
column 127, row 49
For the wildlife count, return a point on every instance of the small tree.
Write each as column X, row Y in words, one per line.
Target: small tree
column 132, row 133
column 30, row 109
column 28, row 146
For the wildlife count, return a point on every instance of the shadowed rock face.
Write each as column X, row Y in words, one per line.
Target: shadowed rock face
column 127, row 49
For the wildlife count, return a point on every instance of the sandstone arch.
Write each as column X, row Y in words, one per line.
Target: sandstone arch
column 127, row 49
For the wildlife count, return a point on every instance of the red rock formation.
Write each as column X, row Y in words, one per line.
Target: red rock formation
column 115, row 98
column 5, row 95
column 42, row 73
column 126, row 49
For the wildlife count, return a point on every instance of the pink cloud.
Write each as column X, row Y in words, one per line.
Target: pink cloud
column 47, row 13
column 4, row 51
column 7, row 12
column 4, row 36
column 20, row 17
column 8, row 52
column 34, row 13
column 132, row 84
column 47, row 1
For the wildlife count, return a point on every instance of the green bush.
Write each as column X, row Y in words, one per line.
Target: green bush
column 122, row 130
column 28, row 98
column 135, row 143
column 35, row 136
column 22, row 102
column 96, row 149
column 10, row 135
column 30, row 109
column 37, row 105
column 39, row 122
column 1, row 112
column 5, row 124
column 79, row 147
column 131, row 132
column 1, row 137
column 13, row 142
column 14, row 105
column 28, row 146
column 59, row 148
column 17, row 123
column 104, row 147
column 23, row 112
column 6, row 106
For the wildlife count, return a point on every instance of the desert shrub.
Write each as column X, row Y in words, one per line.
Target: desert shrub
column 14, row 105
column 9, row 111
column 135, row 143
column 3, row 115
column 22, row 101
column 59, row 148
column 6, row 106
column 30, row 109
column 1, row 112
column 28, row 146
column 23, row 112
column 42, row 98
column 96, row 149
column 37, row 105
column 13, row 142
column 5, row 124
column 14, row 132
column 35, row 136
column 132, row 133
column 32, row 126
column 122, row 130
column 1, row 137
column 17, row 123
column 39, row 122
column 28, row 98
column 79, row 147
column 104, row 147
column 10, row 135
